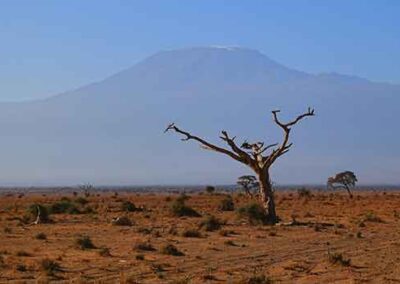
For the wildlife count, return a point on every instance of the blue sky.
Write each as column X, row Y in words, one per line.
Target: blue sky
column 48, row 46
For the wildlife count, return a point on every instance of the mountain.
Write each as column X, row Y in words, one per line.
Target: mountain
column 111, row 132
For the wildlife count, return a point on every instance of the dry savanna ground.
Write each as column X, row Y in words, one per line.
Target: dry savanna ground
column 323, row 238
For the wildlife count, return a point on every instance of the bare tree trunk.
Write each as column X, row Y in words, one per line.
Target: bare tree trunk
column 267, row 197
column 349, row 191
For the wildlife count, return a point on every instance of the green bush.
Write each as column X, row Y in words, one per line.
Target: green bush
column 210, row 189
column 64, row 207
column 128, row 206
column 211, row 223
column 254, row 213
column 180, row 209
column 33, row 213
column 81, row 201
column 227, row 204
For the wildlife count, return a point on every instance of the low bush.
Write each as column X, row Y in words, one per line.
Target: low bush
column 104, row 252
column 23, row 253
column 372, row 217
column 21, row 267
column 35, row 209
column 180, row 209
column 122, row 221
column 210, row 189
column 84, row 242
column 338, row 258
column 128, row 206
column 227, row 204
column 50, row 266
column 254, row 213
column 304, row 193
column 211, row 223
column 144, row 246
column 41, row 236
column 191, row 233
column 258, row 279
column 170, row 249
column 81, row 201
column 64, row 207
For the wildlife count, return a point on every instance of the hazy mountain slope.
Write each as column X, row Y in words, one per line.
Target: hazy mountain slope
column 111, row 131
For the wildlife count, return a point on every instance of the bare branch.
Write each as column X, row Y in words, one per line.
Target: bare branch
column 204, row 144
column 234, row 147
column 284, row 147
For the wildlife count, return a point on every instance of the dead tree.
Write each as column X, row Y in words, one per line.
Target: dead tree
column 258, row 156
column 249, row 184
column 344, row 180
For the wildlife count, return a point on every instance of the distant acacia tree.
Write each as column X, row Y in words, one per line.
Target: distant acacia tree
column 345, row 180
column 249, row 184
column 258, row 156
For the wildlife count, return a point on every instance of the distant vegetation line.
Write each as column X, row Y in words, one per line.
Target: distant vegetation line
column 179, row 188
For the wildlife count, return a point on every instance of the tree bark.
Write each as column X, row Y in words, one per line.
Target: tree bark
column 267, row 197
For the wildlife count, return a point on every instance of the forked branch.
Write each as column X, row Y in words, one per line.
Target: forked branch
column 285, row 145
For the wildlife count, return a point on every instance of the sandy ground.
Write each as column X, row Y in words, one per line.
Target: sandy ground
column 363, row 231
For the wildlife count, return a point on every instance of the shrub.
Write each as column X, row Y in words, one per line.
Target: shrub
column 7, row 230
column 82, row 201
column 211, row 223
column 254, row 213
column 122, row 221
column 227, row 204
column 50, row 266
column 170, row 249
column 258, row 279
column 104, row 252
column 128, row 206
column 180, row 209
column 210, row 189
column 41, row 236
column 182, row 197
column 226, row 233
column 144, row 246
column 230, row 243
column 33, row 211
column 84, row 242
column 191, row 233
column 372, row 217
column 338, row 258
column 63, row 207
column 304, row 193
column 20, row 267
column 23, row 253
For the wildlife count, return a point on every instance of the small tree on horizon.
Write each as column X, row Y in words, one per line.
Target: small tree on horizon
column 254, row 156
column 346, row 180
column 249, row 184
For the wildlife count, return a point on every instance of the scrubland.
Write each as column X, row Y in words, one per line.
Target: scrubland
column 199, row 238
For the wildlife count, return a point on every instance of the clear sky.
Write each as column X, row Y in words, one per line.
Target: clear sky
column 49, row 46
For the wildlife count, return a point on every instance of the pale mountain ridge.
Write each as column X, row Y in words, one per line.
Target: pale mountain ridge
column 110, row 132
